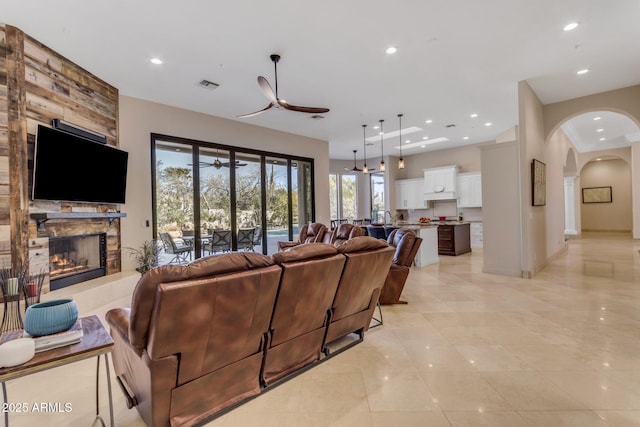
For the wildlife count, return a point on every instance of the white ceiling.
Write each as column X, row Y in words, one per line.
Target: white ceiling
column 454, row 58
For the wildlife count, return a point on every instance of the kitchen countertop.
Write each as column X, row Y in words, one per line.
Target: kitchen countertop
column 431, row 224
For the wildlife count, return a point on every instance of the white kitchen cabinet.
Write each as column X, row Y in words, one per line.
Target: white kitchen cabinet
column 476, row 234
column 410, row 194
column 440, row 183
column 469, row 190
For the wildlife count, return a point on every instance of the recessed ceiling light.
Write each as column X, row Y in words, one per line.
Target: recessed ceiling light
column 583, row 71
column 488, row 124
column 376, row 127
column 391, row 50
column 429, row 121
column 571, row 26
column 422, row 146
column 603, row 139
column 597, row 118
column 156, row 61
column 600, row 130
column 407, row 141
column 474, row 115
column 466, row 137
column 425, row 137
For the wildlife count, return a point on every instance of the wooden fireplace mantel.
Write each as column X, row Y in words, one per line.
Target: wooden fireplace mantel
column 43, row 217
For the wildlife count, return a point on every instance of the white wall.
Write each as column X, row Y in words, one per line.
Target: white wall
column 139, row 118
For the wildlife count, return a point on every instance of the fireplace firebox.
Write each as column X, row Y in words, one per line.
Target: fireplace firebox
column 75, row 259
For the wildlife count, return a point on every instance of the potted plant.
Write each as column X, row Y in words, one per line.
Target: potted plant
column 146, row 256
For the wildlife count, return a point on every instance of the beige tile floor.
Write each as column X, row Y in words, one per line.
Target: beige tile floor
column 470, row 349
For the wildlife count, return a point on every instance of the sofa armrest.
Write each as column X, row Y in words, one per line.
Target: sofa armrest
column 118, row 319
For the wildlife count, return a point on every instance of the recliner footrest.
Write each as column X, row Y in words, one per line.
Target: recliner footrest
column 128, row 393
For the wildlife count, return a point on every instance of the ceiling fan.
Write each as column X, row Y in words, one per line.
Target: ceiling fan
column 274, row 101
column 354, row 168
column 218, row 164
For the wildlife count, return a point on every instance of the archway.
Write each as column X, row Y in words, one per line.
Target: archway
column 595, row 148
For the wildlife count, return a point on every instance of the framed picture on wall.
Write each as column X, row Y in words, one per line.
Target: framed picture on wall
column 596, row 195
column 538, row 183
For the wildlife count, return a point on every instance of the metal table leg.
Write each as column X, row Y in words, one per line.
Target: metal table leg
column 4, row 395
column 98, row 416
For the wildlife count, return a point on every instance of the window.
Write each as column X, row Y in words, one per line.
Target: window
column 247, row 199
column 377, row 197
column 333, row 196
column 349, row 195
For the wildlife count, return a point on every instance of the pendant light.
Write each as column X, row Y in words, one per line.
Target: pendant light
column 382, row 165
column 400, row 160
column 365, row 169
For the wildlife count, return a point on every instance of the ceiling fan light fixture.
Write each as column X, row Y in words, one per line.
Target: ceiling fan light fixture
column 365, row 169
column 401, row 159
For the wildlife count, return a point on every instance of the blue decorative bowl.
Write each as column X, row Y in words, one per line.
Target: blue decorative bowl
column 50, row 317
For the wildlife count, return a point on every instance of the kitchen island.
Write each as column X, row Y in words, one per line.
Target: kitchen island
column 428, row 252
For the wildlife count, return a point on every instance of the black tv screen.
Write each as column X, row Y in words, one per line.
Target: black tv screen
column 72, row 168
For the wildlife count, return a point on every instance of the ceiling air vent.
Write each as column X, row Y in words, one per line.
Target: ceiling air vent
column 208, row 84
column 450, row 125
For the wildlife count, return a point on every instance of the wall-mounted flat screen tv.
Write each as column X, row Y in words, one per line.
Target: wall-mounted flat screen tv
column 72, row 168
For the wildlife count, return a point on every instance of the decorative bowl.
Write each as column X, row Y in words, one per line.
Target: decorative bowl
column 50, row 317
column 442, row 218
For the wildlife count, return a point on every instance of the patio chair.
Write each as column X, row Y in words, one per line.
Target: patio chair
column 245, row 239
column 220, row 241
column 180, row 250
column 257, row 237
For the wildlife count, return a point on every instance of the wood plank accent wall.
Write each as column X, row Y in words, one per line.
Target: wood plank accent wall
column 38, row 85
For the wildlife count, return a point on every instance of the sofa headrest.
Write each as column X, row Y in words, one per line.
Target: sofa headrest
column 305, row 251
column 362, row 243
column 144, row 293
column 347, row 231
column 313, row 232
column 396, row 235
column 403, row 239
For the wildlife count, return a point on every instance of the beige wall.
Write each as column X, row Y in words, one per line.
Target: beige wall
column 615, row 216
column 556, row 154
column 502, row 243
column 467, row 159
column 139, row 118
column 532, row 146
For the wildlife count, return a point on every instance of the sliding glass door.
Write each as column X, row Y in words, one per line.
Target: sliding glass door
column 214, row 198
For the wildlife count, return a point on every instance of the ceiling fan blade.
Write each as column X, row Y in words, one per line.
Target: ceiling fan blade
column 311, row 110
column 267, row 90
column 256, row 112
column 238, row 164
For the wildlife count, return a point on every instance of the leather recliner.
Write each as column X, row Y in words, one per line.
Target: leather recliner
column 407, row 244
column 367, row 263
column 192, row 342
column 310, row 275
column 342, row 233
column 309, row 233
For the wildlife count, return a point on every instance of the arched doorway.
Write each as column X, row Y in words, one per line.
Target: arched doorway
column 597, row 162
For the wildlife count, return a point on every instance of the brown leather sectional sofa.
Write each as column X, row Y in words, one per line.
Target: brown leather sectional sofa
column 202, row 338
